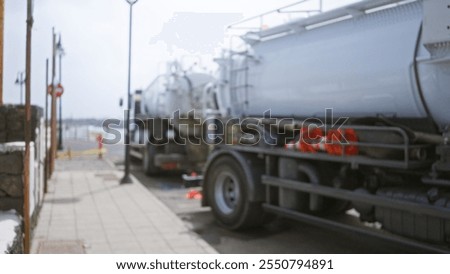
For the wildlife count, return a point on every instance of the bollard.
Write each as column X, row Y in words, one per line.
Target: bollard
column 100, row 146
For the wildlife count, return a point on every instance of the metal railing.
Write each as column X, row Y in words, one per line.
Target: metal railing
column 302, row 11
column 400, row 151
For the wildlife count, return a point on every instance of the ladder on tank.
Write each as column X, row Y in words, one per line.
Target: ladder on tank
column 238, row 78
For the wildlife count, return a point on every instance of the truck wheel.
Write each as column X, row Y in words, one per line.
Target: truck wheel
column 228, row 196
column 148, row 160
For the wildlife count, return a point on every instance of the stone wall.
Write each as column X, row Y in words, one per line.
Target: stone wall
column 12, row 119
column 11, row 180
column 12, row 153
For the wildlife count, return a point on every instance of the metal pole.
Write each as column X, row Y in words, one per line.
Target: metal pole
column 2, row 24
column 46, row 165
column 60, row 146
column 53, row 107
column 126, row 178
column 61, row 53
column 26, row 177
column 21, row 82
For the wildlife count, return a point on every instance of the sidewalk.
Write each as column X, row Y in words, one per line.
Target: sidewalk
column 87, row 211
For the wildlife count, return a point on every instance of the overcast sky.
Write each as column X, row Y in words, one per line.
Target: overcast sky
column 95, row 38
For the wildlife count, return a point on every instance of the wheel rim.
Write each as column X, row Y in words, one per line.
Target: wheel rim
column 227, row 192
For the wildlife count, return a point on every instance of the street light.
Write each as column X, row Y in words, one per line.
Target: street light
column 126, row 177
column 61, row 53
column 20, row 80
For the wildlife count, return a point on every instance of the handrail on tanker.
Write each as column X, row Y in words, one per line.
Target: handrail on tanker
column 332, row 16
column 307, row 12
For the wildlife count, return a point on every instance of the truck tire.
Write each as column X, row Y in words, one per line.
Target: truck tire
column 228, row 196
column 148, row 160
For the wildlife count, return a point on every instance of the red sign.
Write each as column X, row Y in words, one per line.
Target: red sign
column 58, row 89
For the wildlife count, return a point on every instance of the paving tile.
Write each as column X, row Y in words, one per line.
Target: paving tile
column 120, row 238
column 97, row 232
column 144, row 230
column 126, row 247
column 98, row 249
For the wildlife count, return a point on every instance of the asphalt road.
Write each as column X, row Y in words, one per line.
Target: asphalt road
column 281, row 236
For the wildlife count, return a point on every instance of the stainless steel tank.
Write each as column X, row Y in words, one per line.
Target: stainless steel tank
column 375, row 63
column 175, row 91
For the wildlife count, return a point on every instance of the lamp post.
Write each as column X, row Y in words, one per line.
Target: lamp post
column 2, row 26
column 21, row 80
column 26, row 158
column 126, row 177
column 61, row 53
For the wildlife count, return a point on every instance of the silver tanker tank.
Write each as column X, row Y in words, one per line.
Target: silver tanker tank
column 176, row 90
column 390, row 62
column 171, row 110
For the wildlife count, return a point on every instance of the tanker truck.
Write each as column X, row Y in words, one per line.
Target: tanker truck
column 167, row 118
column 344, row 109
